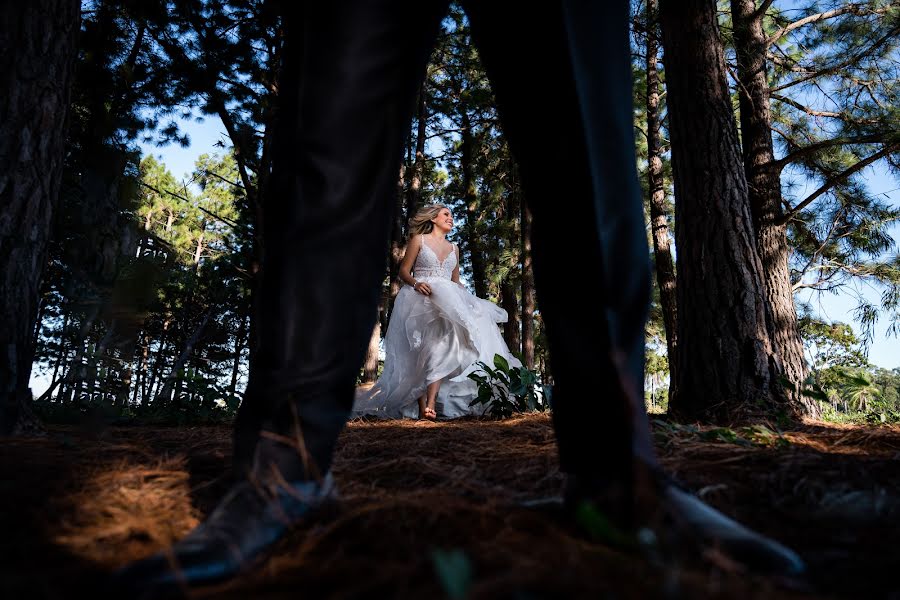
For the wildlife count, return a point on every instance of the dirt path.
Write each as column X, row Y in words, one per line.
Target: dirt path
column 421, row 499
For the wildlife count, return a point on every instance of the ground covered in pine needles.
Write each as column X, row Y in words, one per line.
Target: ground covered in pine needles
column 430, row 510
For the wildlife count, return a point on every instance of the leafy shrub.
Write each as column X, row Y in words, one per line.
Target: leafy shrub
column 505, row 390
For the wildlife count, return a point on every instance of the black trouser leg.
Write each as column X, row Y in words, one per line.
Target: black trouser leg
column 562, row 80
column 347, row 97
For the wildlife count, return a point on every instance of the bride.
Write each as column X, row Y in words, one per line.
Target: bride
column 437, row 331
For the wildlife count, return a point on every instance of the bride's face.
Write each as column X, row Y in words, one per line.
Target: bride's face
column 444, row 220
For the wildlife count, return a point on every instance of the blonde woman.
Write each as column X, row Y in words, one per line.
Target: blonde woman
column 437, row 331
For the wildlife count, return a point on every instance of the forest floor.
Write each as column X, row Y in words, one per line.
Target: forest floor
column 429, row 506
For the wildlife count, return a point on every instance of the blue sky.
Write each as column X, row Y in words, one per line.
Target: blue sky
column 884, row 351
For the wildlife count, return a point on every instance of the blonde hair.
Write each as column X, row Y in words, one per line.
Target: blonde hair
column 421, row 221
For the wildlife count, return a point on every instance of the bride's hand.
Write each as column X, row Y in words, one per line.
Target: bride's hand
column 423, row 288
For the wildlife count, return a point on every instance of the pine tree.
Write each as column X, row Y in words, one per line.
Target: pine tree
column 37, row 55
column 726, row 365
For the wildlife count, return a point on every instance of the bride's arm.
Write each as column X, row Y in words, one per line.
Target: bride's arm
column 406, row 265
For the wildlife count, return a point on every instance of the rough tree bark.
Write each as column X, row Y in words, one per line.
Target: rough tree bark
column 509, row 292
column 37, row 52
column 511, row 306
column 396, row 252
column 370, row 367
column 659, row 222
column 764, row 189
column 726, row 364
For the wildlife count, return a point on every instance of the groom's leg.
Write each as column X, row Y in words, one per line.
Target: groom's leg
column 563, row 83
column 347, row 97
column 576, row 151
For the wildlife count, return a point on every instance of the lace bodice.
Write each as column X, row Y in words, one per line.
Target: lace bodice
column 429, row 265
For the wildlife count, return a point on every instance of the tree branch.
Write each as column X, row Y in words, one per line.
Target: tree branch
column 784, row 63
column 215, row 100
column 856, row 9
column 228, row 181
column 831, row 182
column 761, row 10
column 807, row 110
column 225, row 220
column 825, row 240
column 828, row 70
column 872, row 138
column 239, row 153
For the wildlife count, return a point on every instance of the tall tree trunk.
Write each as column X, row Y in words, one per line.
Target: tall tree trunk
column 90, row 380
column 370, row 367
column 39, row 321
column 238, row 348
column 80, row 373
column 163, row 398
column 509, row 291
column 528, row 296
column 37, row 55
column 511, row 306
column 155, row 376
column 764, row 188
column 172, row 398
column 75, row 373
column 397, row 249
column 194, row 377
column 63, row 350
column 546, row 363
column 725, row 361
column 157, row 365
column 139, row 374
column 659, row 222
column 473, row 214
column 121, row 385
column 414, row 194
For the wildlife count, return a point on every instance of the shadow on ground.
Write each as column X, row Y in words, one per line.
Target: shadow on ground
column 429, row 506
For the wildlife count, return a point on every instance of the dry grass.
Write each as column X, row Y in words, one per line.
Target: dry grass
column 76, row 505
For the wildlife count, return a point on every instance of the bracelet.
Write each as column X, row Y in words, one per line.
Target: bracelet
column 415, row 285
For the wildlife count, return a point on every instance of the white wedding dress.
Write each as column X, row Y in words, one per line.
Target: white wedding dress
column 431, row 338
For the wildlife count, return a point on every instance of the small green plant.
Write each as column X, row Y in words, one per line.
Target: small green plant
column 751, row 435
column 505, row 390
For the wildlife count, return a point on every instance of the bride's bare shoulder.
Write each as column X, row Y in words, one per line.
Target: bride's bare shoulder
column 413, row 245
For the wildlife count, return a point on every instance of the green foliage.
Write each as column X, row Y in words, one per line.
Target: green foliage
column 656, row 371
column 829, row 344
column 859, row 389
column 753, row 435
column 505, row 390
column 141, row 261
column 841, row 380
column 834, row 106
column 860, row 395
